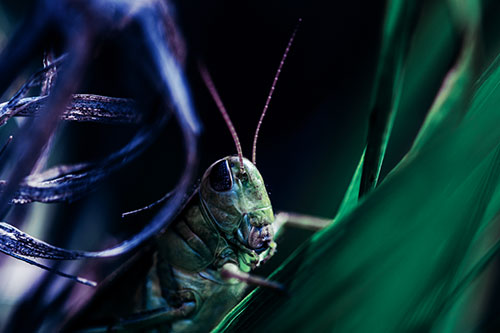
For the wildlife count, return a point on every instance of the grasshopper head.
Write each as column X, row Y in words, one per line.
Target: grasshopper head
column 238, row 203
column 233, row 192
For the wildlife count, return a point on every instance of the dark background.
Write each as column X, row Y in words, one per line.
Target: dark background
column 314, row 132
column 311, row 139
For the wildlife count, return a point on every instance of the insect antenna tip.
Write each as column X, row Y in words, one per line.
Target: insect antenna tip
column 273, row 86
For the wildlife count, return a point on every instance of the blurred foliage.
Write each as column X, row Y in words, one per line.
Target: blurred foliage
column 410, row 255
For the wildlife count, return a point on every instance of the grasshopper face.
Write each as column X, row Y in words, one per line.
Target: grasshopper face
column 239, row 205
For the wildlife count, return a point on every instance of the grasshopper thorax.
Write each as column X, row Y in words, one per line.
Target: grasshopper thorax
column 237, row 202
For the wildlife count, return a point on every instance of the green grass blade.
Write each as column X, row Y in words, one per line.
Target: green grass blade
column 352, row 194
column 385, row 266
column 397, row 31
column 400, row 260
column 387, row 90
column 448, row 107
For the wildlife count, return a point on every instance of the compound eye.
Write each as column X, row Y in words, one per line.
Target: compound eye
column 220, row 177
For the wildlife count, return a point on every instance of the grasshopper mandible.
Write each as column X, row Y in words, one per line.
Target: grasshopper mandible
column 199, row 266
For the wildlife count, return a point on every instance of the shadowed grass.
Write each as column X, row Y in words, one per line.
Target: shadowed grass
column 399, row 260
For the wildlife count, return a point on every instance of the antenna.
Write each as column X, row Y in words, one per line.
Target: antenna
column 278, row 72
column 211, row 88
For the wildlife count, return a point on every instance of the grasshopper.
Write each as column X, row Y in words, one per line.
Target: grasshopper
column 198, row 268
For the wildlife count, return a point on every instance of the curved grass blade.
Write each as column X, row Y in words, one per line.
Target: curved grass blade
column 390, row 260
column 19, row 245
column 82, row 108
column 172, row 83
column 396, row 36
column 35, row 80
column 33, row 136
column 395, row 262
column 176, row 92
column 66, row 183
column 13, row 240
column 450, row 104
column 352, row 194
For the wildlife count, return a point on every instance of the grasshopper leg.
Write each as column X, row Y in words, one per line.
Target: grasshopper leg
column 299, row 221
column 231, row 271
